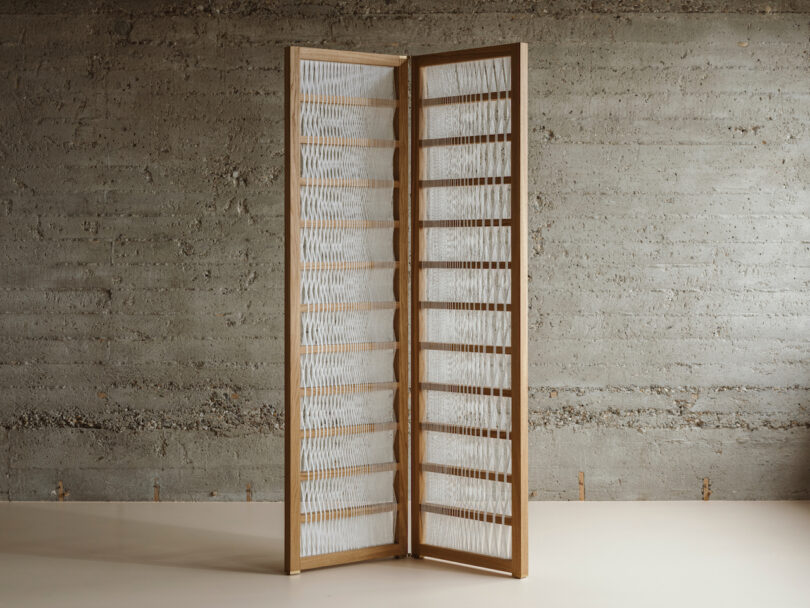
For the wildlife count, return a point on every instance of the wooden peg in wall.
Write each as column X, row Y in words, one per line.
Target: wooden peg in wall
column 706, row 490
column 249, row 493
column 60, row 492
column 581, row 485
column 157, row 490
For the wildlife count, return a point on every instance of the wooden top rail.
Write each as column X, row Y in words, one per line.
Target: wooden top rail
column 467, row 348
column 340, row 389
column 348, row 265
column 446, row 469
column 357, row 429
column 349, row 142
column 466, row 265
column 349, row 306
column 465, row 140
column 506, row 520
column 465, row 181
column 348, row 101
column 310, row 349
column 470, row 431
column 492, row 306
column 349, row 183
column 472, row 98
column 362, row 469
column 382, row 507
column 495, row 222
column 349, row 224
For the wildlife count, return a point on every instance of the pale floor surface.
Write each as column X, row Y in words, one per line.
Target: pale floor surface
column 230, row 554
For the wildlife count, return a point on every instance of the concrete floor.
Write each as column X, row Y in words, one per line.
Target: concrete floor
column 230, row 554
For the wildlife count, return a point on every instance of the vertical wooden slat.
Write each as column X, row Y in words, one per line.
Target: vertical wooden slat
column 401, row 314
column 520, row 478
column 417, row 404
column 292, row 314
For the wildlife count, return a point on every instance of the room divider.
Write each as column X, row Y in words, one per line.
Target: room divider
column 346, row 307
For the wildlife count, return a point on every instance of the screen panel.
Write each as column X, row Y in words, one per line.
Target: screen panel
column 469, row 411
column 345, row 328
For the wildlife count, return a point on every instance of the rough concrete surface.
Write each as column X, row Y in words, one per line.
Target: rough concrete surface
column 141, row 240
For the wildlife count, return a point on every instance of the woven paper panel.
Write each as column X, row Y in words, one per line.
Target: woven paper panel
column 466, row 329
column 347, row 267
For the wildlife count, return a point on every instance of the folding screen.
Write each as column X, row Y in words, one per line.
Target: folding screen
column 346, row 341
column 346, row 386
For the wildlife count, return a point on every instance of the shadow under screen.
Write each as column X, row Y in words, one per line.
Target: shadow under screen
column 78, row 533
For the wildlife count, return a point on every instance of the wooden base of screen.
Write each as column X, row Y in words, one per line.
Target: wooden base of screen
column 348, row 557
column 469, row 559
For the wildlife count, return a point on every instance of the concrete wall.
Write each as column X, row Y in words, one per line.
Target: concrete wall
column 141, row 228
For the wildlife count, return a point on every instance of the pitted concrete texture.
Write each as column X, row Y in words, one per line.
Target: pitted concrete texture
column 141, row 240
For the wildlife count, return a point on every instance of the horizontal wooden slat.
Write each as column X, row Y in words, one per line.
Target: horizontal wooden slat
column 466, row 348
column 496, row 222
column 347, row 306
column 350, row 142
column 465, row 557
column 468, row 390
column 357, row 429
column 349, row 101
column 349, row 388
column 349, row 224
column 465, row 140
column 465, row 181
column 348, row 348
column 444, row 469
column 348, row 557
column 466, row 265
column 427, row 305
column 474, row 431
column 474, row 54
column 348, row 265
column 317, row 54
column 366, row 469
column 361, row 58
column 506, row 520
column 382, row 507
column 349, row 183
column 474, row 98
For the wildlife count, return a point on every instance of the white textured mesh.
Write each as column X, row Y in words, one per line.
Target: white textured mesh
column 336, row 204
column 318, row 411
column 465, row 160
column 467, row 493
column 468, row 78
column 457, row 420
column 465, row 285
column 478, row 411
column 485, row 202
column 349, row 162
column 464, row 326
column 337, row 285
column 488, row 244
column 446, row 121
column 347, row 245
column 467, row 369
column 334, row 327
column 340, row 369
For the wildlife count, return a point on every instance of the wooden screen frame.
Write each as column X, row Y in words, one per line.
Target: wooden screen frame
column 293, row 562
column 518, row 564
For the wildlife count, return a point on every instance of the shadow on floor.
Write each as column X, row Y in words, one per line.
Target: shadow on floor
column 71, row 534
